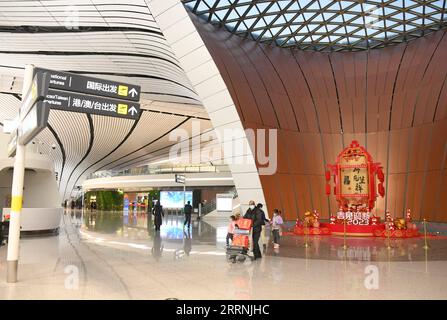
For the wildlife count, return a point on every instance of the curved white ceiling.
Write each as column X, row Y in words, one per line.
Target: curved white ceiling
column 102, row 38
column 114, row 41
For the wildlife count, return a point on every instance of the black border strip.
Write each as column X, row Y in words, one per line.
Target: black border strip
column 80, row 29
column 148, row 144
column 92, row 136
column 119, row 145
column 130, row 163
column 90, row 53
column 59, row 142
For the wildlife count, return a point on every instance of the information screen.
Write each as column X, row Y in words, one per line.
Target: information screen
column 174, row 199
column 224, row 202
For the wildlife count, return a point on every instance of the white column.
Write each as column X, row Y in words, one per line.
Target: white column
column 17, row 195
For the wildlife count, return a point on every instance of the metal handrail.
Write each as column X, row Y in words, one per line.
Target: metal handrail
column 208, row 207
column 158, row 170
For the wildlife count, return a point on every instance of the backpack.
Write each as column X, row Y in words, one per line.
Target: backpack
column 258, row 220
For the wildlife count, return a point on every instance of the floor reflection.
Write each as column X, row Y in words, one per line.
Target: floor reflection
column 362, row 249
column 137, row 230
column 138, row 225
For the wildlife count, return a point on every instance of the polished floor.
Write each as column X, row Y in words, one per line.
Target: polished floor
column 116, row 255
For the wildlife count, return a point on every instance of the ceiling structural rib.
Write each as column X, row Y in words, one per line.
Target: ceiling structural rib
column 103, row 38
column 325, row 25
column 109, row 133
column 163, row 127
column 48, row 144
column 157, row 80
column 160, row 148
column 86, row 154
column 90, row 166
column 59, row 144
column 73, row 130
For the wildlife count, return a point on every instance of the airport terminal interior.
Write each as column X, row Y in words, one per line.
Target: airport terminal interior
column 223, row 149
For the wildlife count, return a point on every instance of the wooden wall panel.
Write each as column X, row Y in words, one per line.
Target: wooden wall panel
column 399, row 195
column 441, row 200
column 293, row 153
column 432, row 84
column 288, row 204
column 288, row 73
column 437, row 145
column 429, row 197
column 272, row 191
column 283, row 154
column 319, row 197
column 421, row 146
column 414, row 192
column 389, row 67
column 303, row 193
column 270, row 82
column 393, row 100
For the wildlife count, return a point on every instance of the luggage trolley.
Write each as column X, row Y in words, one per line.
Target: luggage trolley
column 238, row 250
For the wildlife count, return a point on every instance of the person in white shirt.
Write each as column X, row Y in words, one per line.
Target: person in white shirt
column 276, row 227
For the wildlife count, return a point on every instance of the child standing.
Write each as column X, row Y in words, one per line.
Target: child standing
column 231, row 228
column 276, row 227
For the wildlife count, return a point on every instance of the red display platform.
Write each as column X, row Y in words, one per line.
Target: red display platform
column 299, row 230
column 398, row 233
column 354, row 230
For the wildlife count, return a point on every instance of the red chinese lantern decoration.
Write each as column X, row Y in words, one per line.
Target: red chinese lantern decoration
column 332, row 219
column 381, row 189
column 408, row 215
column 328, row 175
column 380, row 175
column 355, row 175
column 328, row 189
column 391, row 225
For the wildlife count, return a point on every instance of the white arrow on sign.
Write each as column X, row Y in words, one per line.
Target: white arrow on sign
column 133, row 110
column 133, row 92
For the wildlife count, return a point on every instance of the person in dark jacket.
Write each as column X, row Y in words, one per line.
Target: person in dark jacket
column 251, row 209
column 264, row 221
column 158, row 215
column 157, row 247
column 188, row 211
column 257, row 218
column 187, row 244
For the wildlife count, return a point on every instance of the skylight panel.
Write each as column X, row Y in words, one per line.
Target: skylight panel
column 325, row 21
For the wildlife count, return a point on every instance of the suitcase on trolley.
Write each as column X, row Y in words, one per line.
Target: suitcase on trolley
column 244, row 224
column 238, row 250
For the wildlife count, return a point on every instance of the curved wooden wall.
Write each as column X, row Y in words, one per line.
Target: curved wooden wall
column 392, row 100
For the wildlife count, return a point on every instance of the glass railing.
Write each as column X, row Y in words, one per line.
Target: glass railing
column 149, row 170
